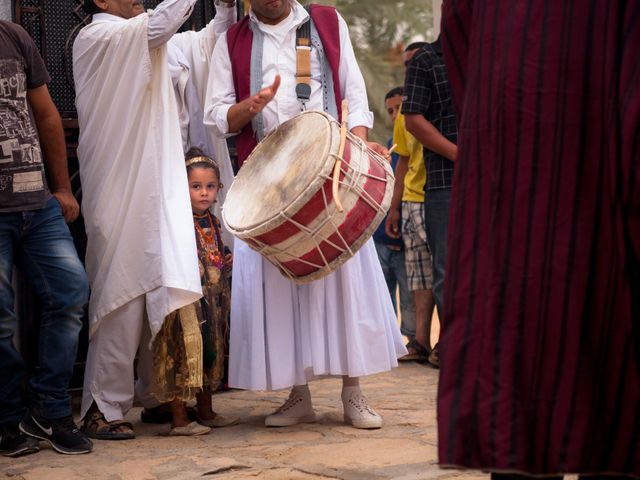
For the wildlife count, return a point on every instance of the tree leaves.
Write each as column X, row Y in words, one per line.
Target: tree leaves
column 379, row 30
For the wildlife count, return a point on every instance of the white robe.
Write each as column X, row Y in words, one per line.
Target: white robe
column 189, row 62
column 283, row 334
column 135, row 201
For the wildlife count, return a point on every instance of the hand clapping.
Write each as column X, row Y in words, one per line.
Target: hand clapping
column 264, row 96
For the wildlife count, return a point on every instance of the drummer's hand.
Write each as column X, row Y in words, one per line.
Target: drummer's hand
column 264, row 96
column 391, row 224
column 380, row 150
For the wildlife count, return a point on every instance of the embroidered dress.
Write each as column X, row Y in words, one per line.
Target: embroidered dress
column 189, row 350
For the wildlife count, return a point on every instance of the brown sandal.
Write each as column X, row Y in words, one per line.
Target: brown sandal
column 434, row 357
column 420, row 353
column 96, row 426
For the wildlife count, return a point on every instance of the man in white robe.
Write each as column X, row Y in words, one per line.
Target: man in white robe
column 140, row 251
column 189, row 54
column 283, row 334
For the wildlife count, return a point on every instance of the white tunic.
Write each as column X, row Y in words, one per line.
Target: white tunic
column 135, row 195
column 189, row 55
column 283, row 334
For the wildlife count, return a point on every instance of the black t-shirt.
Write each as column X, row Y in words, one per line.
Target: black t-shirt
column 23, row 184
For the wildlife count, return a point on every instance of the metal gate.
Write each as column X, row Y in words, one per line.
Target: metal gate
column 54, row 24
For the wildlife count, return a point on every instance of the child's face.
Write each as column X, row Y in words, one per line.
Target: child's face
column 203, row 189
column 393, row 105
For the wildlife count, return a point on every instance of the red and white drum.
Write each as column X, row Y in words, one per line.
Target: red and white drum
column 281, row 202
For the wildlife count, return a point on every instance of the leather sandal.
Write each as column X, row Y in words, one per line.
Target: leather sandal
column 96, row 426
column 434, row 357
column 420, row 353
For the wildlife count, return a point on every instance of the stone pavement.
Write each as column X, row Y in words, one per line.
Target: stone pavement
column 404, row 449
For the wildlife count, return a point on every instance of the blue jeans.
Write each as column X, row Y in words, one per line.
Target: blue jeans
column 395, row 274
column 38, row 242
column 436, row 209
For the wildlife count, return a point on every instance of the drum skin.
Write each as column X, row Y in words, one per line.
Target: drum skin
column 281, row 202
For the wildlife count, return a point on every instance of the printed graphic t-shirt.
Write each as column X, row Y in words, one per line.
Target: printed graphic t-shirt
column 23, row 184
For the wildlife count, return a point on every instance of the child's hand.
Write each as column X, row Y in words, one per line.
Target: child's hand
column 228, row 263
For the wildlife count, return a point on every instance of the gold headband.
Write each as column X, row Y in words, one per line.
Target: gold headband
column 206, row 160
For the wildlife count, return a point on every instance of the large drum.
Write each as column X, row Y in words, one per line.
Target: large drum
column 281, row 202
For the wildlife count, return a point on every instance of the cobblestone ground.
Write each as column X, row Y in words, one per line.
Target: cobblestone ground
column 405, row 449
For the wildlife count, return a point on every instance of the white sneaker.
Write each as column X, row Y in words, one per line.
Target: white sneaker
column 297, row 409
column 357, row 411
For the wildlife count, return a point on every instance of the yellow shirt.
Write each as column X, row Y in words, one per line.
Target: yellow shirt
column 416, row 175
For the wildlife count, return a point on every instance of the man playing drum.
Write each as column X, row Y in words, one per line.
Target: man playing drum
column 283, row 334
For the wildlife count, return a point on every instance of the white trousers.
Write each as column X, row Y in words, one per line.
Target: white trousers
column 108, row 376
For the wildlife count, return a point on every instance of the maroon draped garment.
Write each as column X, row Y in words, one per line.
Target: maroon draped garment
column 540, row 348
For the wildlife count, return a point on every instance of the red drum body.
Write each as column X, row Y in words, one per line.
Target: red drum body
column 281, row 202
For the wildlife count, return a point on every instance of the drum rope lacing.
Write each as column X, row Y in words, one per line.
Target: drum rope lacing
column 352, row 180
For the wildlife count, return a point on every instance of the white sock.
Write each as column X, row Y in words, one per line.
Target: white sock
column 301, row 389
column 348, row 391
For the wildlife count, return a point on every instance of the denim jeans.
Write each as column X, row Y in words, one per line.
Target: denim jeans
column 436, row 203
column 38, row 242
column 395, row 274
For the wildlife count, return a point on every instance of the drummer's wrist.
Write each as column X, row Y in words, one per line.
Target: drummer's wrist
column 224, row 3
column 361, row 132
column 239, row 115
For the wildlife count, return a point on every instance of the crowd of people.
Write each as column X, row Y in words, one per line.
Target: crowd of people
column 515, row 180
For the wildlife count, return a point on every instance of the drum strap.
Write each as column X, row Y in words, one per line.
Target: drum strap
column 303, row 61
column 255, row 74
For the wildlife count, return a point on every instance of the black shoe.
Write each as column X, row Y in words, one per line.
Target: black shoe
column 62, row 433
column 14, row 443
column 162, row 414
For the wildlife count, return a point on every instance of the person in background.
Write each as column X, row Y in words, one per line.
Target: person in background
column 408, row 203
column 391, row 250
column 35, row 202
column 429, row 117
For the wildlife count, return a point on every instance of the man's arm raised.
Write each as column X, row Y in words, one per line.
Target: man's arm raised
column 166, row 19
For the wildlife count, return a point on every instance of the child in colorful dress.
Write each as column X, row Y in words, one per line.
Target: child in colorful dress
column 189, row 350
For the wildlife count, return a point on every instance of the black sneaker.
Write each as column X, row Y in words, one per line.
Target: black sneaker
column 62, row 433
column 14, row 443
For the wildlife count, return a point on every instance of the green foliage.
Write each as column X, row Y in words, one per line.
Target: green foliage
column 379, row 30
